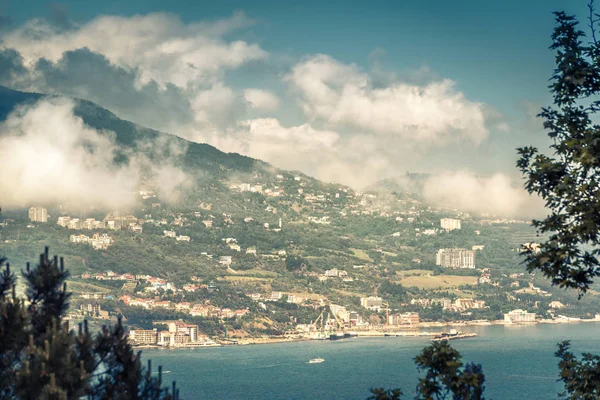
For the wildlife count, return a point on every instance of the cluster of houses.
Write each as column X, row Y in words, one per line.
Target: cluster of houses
column 459, row 305
column 320, row 220
column 335, row 273
column 112, row 221
column 408, row 318
column 502, row 221
column 90, row 310
column 532, row 289
column 290, row 298
column 247, row 187
column 98, row 241
column 174, row 235
column 111, row 276
column 177, row 334
column 205, row 309
column 423, row 232
column 486, row 278
column 76, row 223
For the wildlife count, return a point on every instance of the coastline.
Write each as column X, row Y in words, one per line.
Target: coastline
column 389, row 331
column 259, row 371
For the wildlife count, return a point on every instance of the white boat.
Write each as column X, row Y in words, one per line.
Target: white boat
column 316, row 361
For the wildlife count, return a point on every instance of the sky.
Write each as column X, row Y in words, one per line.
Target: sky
column 346, row 91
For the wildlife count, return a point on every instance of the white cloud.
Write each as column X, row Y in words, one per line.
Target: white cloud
column 215, row 106
column 497, row 195
column 55, row 158
column 152, row 69
column 169, row 75
column 341, row 95
column 159, row 46
column 325, row 154
column 261, row 99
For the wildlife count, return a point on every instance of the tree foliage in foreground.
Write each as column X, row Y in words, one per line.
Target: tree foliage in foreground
column 445, row 377
column 581, row 378
column 41, row 358
column 569, row 179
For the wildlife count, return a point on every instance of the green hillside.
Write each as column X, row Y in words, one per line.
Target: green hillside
column 246, row 228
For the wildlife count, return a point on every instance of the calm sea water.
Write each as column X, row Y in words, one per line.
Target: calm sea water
column 518, row 362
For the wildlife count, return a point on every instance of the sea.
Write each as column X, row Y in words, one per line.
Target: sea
column 518, row 362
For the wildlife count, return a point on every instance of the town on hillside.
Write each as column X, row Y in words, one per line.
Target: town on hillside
column 274, row 255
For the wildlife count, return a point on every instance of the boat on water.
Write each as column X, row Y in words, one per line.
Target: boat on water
column 318, row 335
column 316, row 361
column 452, row 335
column 342, row 335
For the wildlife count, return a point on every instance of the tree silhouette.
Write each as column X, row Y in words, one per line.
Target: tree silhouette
column 568, row 180
column 445, row 377
column 41, row 358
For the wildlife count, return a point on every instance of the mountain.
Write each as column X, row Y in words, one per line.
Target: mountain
column 246, row 230
column 408, row 186
column 130, row 135
column 9, row 99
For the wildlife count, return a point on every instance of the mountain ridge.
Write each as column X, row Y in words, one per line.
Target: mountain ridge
column 130, row 134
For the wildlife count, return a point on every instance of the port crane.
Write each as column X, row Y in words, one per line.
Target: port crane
column 387, row 313
column 321, row 320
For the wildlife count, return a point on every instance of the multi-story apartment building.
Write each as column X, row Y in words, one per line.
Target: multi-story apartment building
column 455, row 258
column 63, row 221
column 187, row 329
column 144, row 336
column 409, row 318
column 450, row 224
column 38, row 214
column 372, row 303
column 519, row 315
column 172, row 339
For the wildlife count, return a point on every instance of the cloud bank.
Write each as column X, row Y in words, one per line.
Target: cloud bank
column 342, row 95
column 496, row 195
column 51, row 157
column 352, row 125
column 159, row 46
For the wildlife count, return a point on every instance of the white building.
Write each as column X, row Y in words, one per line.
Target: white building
column 63, row 221
column 100, row 242
column 556, row 305
column 455, row 258
column 334, row 272
column 38, row 214
column 225, row 260
column 450, row 224
column 79, row 239
column 372, row 303
column 519, row 315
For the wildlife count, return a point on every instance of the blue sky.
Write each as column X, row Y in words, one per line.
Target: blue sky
column 494, row 49
column 343, row 90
